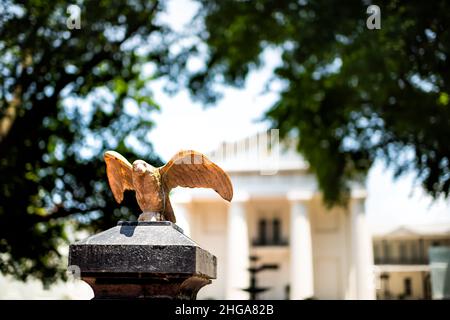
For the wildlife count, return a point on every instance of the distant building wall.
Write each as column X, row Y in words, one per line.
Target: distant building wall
column 402, row 260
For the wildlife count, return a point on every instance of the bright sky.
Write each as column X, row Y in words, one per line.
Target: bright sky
column 182, row 124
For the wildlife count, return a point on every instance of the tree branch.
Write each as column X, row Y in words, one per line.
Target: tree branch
column 10, row 114
column 7, row 120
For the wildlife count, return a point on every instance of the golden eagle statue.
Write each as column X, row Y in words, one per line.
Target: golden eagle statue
column 152, row 185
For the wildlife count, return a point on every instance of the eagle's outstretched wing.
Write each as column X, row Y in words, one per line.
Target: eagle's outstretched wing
column 119, row 172
column 194, row 170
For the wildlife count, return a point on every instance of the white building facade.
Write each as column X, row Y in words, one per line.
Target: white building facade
column 277, row 215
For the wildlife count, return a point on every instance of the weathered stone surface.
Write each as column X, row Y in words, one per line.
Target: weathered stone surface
column 143, row 260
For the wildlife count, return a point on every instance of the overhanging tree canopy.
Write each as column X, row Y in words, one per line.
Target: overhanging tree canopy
column 349, row 93
column 65, row 97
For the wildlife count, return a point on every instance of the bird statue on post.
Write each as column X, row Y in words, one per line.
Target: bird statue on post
column 152, row 185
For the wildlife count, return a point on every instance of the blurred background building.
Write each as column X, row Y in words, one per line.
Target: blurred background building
column 402, row 264
column 279, row 217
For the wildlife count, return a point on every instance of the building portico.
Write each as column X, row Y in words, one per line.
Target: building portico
column 280, row 218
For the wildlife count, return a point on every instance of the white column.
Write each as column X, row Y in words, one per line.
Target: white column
column 302, row 272
column 362, row 251
column 181, row 205
column 238, row 249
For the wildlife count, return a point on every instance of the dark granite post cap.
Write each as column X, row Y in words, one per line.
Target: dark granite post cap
column 142, row 247
column 150, row 256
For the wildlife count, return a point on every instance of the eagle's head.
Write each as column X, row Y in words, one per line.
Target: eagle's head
column 141, row 167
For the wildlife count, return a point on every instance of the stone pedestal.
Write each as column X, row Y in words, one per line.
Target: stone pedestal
column 143, row 260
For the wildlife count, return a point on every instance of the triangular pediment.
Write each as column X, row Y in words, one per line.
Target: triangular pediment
column 260, row 152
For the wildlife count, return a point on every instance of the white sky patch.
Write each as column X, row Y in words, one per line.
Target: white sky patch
column 183, row 124
column 403, row 201
column 178, row 14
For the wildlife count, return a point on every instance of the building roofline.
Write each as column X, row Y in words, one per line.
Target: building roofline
column 406, row 231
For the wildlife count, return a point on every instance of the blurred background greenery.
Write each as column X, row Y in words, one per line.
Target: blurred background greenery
column 351, row 94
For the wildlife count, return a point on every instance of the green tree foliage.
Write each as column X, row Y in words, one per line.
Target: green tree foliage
column 65, row 97
column 350, row 94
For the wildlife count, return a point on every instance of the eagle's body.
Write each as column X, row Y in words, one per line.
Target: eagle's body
column 147, row 184
column 152, row 185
